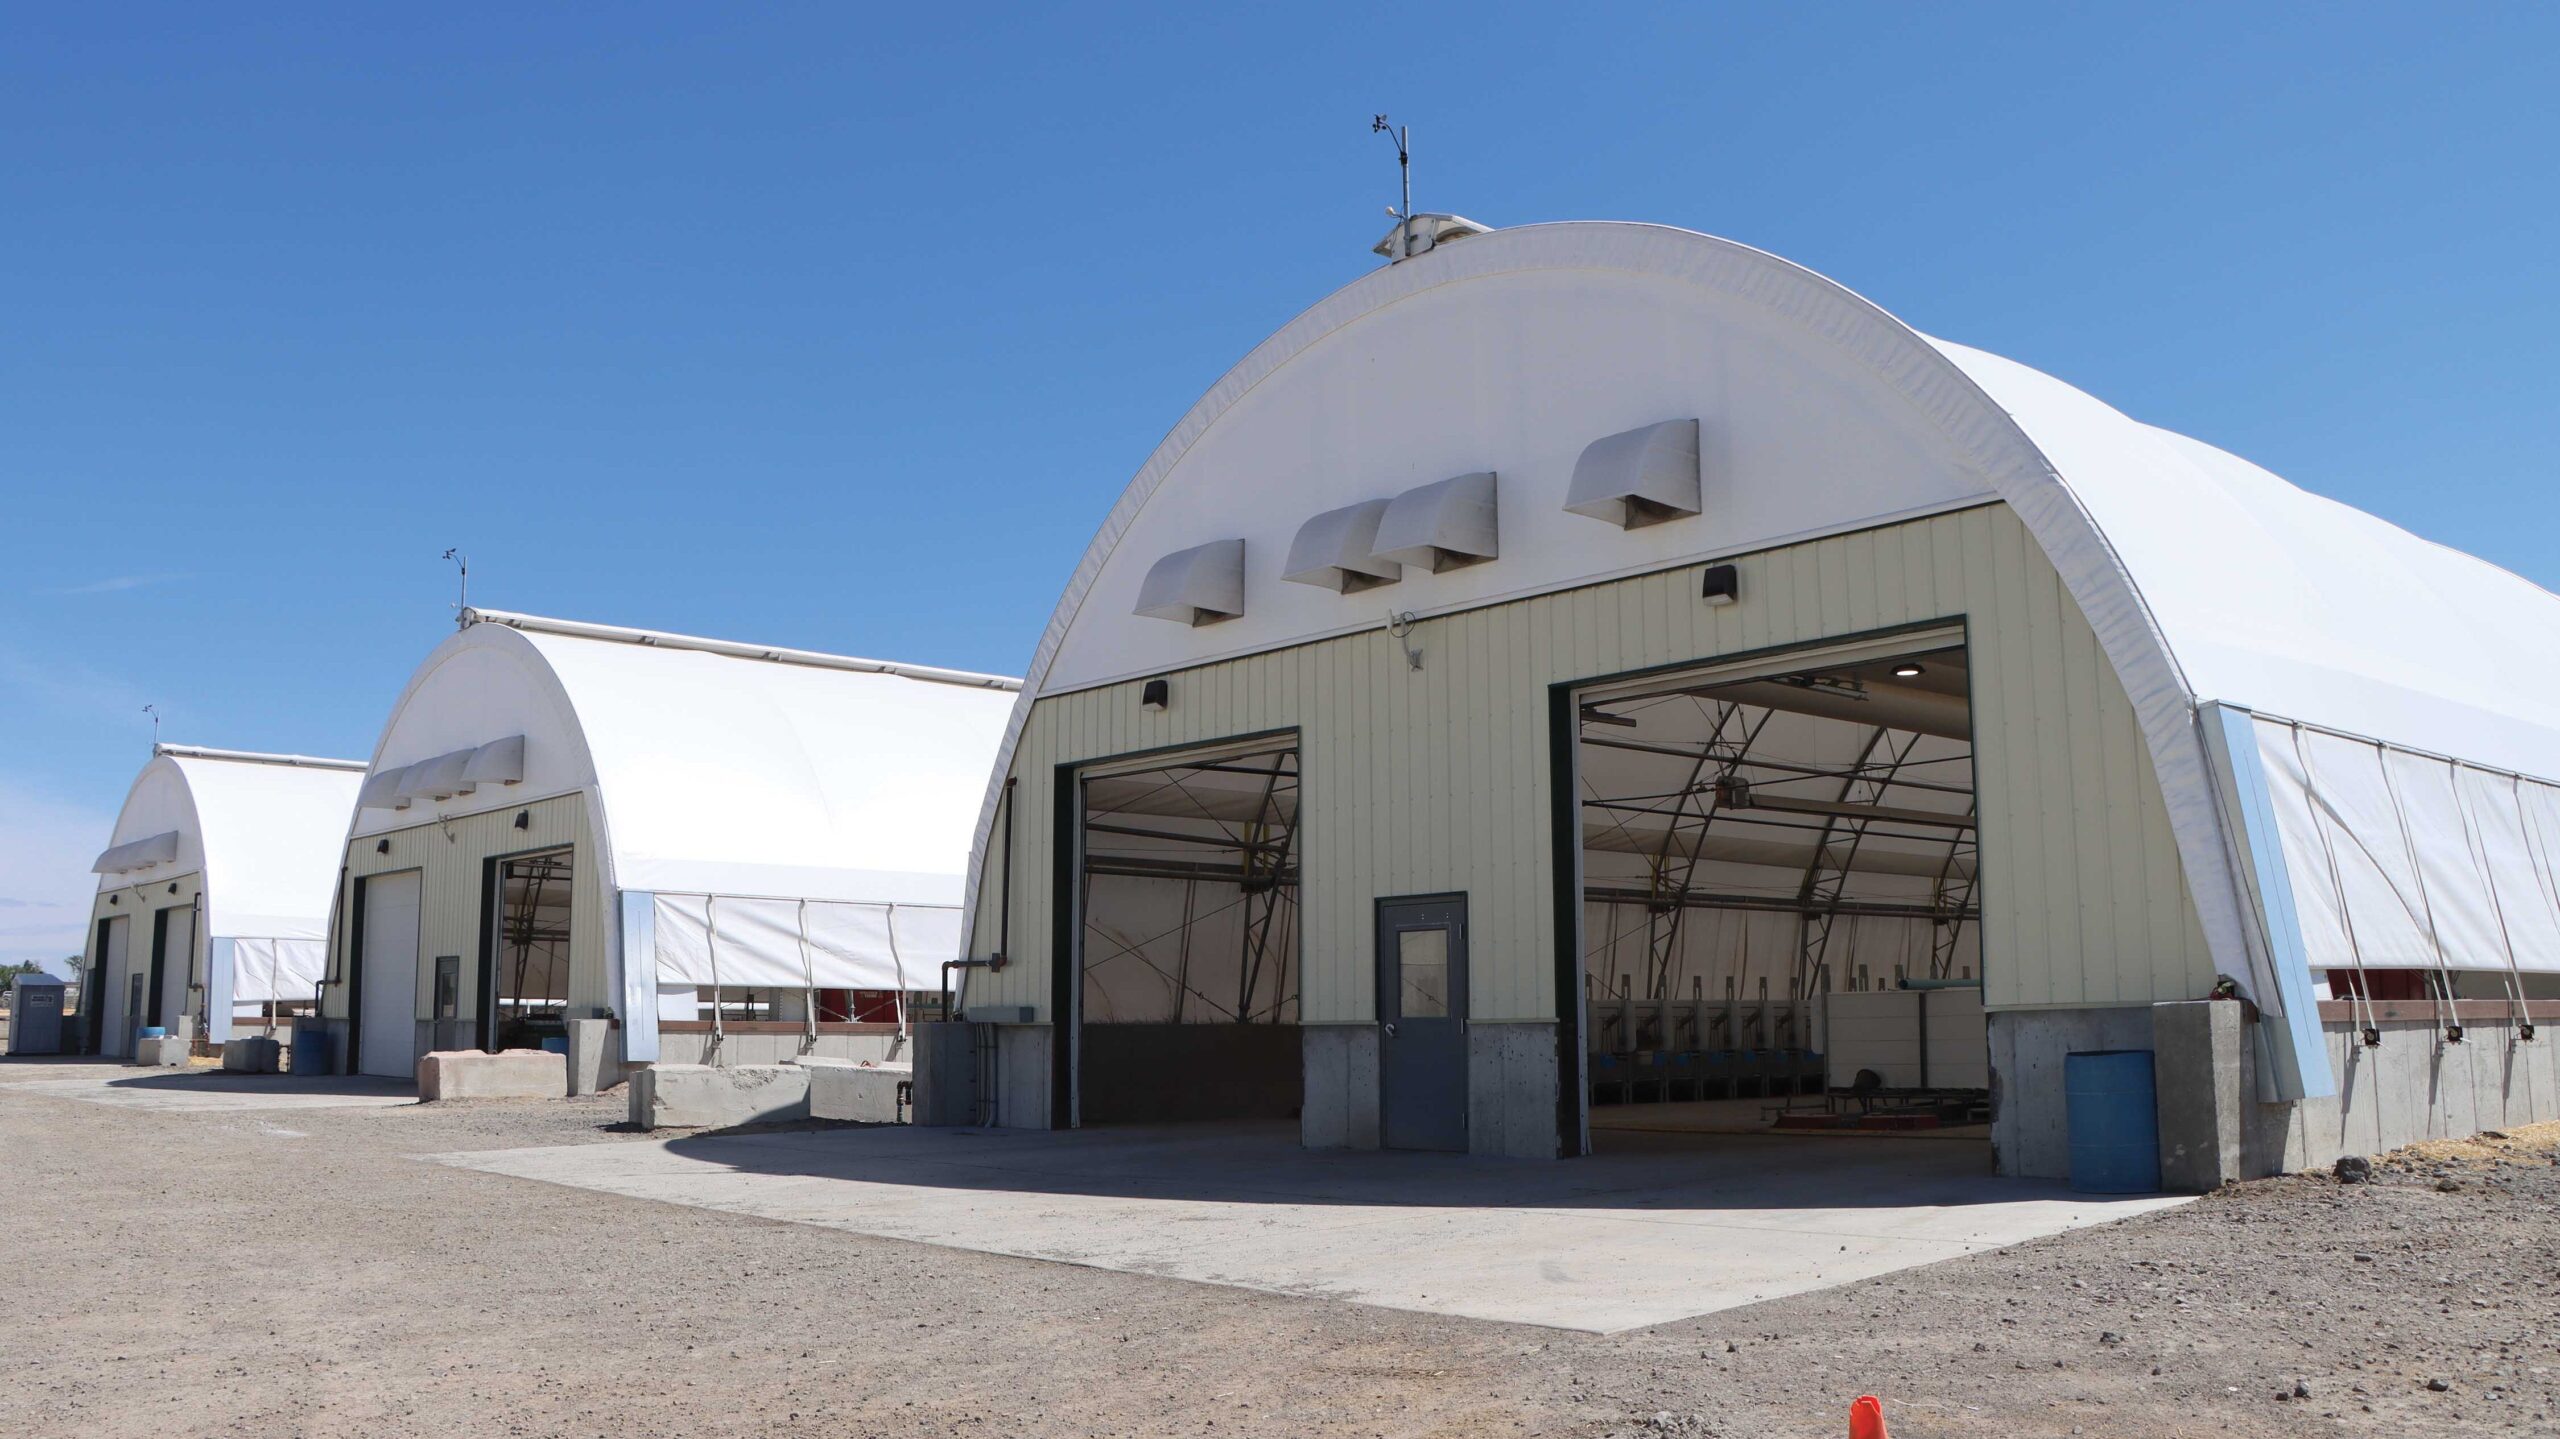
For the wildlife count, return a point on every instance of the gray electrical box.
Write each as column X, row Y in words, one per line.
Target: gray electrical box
column 35, row 1015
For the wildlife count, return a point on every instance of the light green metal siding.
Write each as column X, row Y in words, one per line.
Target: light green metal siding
column 450, row 856
column 139, row 902
column 1437, row 779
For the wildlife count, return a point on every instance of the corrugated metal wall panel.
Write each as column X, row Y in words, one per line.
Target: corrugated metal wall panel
column 450, row 855
column 1421, row 781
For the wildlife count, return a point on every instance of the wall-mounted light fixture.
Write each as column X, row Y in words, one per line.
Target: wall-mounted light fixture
column 173, row 888
column 1909, row 670
column 1723, row 585
column 1157, row 695
column 524, row 819
column 115, row 899
column 382, row 846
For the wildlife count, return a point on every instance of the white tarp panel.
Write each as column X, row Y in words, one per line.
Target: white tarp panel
column 2400, row 860
column 281, row 971
column 741, row 943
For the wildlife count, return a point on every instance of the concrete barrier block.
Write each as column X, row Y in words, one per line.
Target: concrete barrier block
column 592, row 1066
column 508, row 1074
column 256, row 1054
column 706, row 1096
column 160, row 1052
column 862, row 1093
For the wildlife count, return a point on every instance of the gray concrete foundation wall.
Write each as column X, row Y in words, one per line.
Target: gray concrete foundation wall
column 1022, row 1076
column 2413, row 1086
column 2030, row 1133
column 2197, row 1066
column 1340, row 1105
column 2214, row 1124
column 1511, row 1090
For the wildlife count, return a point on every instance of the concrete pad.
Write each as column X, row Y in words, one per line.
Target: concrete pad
column 204, row 1090
column 507, row 1074
column 861, row 1093
column 718, row 1096
column 1660, row 1231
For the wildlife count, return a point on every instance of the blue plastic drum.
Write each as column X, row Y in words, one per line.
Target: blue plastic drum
column 2114, row 1122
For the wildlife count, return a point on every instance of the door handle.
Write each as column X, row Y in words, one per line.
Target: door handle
column 1390, row 1029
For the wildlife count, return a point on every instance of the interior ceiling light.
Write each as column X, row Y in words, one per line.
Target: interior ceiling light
column 1909, row 670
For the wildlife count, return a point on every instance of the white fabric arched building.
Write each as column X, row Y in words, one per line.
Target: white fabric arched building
column 1560, row 579
column 213, row 897
column 736, row 852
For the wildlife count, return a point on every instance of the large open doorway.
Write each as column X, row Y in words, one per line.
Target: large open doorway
column 1186, row 905
column 173, row 948
column 1779, row 923
column 526, row 989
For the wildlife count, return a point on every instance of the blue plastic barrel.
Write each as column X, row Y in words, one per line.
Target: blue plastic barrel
column 2114, row 1122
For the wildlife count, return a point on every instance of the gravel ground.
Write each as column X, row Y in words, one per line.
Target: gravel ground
column 289, row 1273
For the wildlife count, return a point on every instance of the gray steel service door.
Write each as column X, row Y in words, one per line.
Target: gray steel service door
column 1422, row 1025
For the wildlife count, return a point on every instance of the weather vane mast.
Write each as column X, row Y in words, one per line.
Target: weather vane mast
column 1403, row 136
column 461, row 562
column 154, row 712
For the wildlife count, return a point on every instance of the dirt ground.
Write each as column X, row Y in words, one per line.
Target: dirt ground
column 291, row 1273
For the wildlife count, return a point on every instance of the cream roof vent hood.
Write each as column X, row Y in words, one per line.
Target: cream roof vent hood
column 1198, row 586
column 1638, row 477
column 1442, row 525
column 1337, row 550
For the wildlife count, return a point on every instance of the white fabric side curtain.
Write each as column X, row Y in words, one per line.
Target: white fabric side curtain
column 2400, row 860
column 788, row 944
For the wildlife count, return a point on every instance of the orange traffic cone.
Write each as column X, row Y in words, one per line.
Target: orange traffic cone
column 1866, row 1418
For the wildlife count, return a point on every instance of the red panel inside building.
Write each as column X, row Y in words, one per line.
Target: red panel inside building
column 857, row 1006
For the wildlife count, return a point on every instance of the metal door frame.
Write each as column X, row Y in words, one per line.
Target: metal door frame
column 1564, row 810
column 1066, row 895
column 1461, row 994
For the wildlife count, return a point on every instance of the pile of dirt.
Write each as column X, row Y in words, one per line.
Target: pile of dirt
column 2529, row 1145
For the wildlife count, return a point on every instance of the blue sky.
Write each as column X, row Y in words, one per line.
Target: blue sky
column 722, row 320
